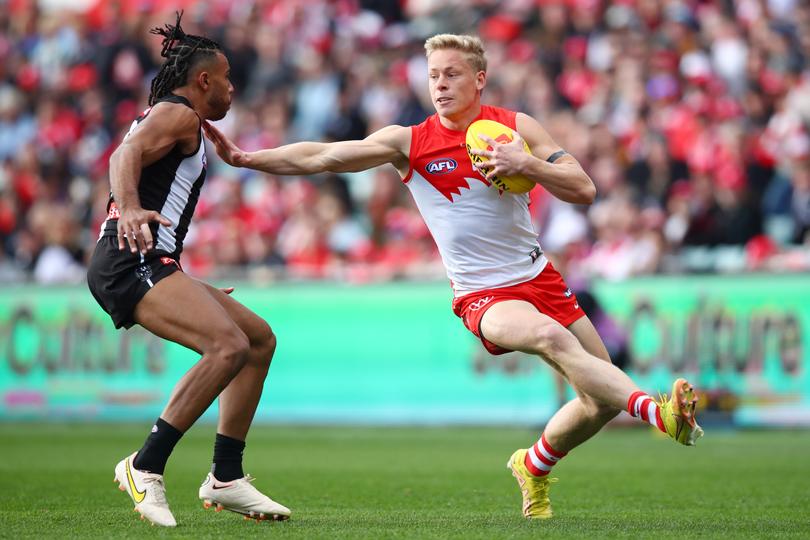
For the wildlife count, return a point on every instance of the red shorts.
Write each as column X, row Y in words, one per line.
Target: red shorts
column 547, row 292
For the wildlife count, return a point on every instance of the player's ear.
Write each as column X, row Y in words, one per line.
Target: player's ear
column 204, row 79
column 480, row 80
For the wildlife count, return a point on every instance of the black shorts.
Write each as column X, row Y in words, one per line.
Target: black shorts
column 119, row 279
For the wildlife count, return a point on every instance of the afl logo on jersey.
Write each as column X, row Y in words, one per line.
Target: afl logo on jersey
column 441, row 166
column 204, row 161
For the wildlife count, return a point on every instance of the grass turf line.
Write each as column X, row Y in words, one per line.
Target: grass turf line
column 56, row 482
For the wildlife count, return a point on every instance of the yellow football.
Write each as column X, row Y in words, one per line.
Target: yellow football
column 502, row 134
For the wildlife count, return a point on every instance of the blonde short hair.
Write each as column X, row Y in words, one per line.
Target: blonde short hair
column 471, row 46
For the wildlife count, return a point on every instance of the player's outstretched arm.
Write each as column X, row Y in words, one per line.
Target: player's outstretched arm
column 388, row 145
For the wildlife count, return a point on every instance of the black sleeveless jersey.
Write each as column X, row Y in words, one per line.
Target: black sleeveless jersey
column 171, row 186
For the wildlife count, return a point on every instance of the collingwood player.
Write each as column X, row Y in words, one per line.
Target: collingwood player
column 156, row 175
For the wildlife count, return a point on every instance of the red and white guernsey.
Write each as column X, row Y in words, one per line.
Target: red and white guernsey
column 485, row 237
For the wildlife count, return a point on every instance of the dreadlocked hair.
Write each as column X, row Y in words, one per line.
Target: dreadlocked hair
column 181, row 51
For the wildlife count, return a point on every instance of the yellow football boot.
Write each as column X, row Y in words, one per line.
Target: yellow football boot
column 536, row 504
column 678, row 413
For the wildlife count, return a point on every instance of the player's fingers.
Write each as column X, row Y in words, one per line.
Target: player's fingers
column 132, row 241
column 213, row 133
column 493, row 171
column 487, row 139
column 516, row 138
column 215, row 138
column 210, row 133
column 156, row 216
column 484, row 162
column 121, row 241
column 145, row 237
column 481, row 152
column 140, row 242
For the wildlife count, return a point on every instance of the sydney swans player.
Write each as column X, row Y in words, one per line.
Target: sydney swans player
column 156, row 175
column 506, row 291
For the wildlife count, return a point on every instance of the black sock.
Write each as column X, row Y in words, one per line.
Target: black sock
column 227, row 458
column 157, row 448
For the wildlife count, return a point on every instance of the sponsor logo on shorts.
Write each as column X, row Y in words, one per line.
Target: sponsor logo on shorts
column 143, row 272
column 568, row 293
column 481, row 302
column 168, row 261
column 441, row 166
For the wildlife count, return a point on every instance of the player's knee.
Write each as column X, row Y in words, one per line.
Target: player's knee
column 552, row 341
column 231, row 350
column 263, row 347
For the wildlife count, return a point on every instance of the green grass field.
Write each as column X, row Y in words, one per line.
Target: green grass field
column 56, row 482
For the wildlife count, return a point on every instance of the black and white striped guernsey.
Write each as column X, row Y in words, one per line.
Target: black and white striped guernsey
column 171, row 186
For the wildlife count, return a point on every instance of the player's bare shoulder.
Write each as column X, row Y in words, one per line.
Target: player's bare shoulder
column 165, row 126
column 177, row 120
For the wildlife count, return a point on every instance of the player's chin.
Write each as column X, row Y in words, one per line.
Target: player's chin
column 220, row 112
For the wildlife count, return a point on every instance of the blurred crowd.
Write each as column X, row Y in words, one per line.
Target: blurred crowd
column 690, row 116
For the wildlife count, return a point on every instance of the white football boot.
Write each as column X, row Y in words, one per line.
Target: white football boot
column 241, row 497
column 147, row 492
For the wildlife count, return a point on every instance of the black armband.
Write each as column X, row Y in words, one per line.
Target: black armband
column 556, row 155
